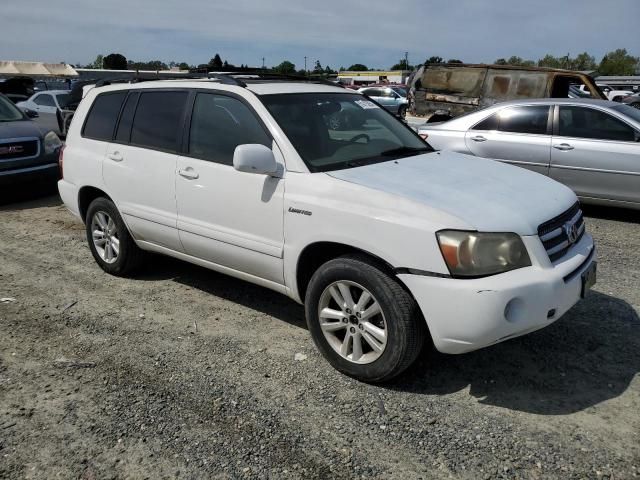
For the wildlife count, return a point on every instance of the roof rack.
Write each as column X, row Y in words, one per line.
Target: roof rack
column 239, row 79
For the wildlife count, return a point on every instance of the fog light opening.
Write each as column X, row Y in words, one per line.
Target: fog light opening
column 514, row 310
column 551, row 313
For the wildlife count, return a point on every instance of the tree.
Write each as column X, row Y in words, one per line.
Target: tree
column 584, row 61
column 618, row 62
column 549, row 61
column 454, row 60
column 215, row 63
column 434, row 60
column 285, row 68
column 184, row 66
column 98, row 62
column 358, row 67
column 401, row 65
column 500, row 61
column 115, row 61
column 318, row 67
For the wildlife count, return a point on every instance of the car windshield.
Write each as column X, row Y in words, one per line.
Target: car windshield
column 629, row 111
column 334, row 131
column 63, row 99
column 8, row 111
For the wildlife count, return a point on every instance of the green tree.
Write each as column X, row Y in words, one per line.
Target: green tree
column 318, row 67
column 401, row 65
column 549, row 61
column 500, row 61
column 454, row 60
column 358, row 67
column 286, row 68
column 584, row 61
column 215, row 63
column 184, row 66
column 434, row 59
column 115, row 61
column 618, row 62
column 98, row 62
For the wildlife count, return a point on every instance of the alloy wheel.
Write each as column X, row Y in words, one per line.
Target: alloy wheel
column 104, row 233
column 352, row 322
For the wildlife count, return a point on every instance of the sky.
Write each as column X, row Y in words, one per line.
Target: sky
column 335, row 32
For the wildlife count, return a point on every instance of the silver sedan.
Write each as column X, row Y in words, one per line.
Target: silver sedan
column 592, row 146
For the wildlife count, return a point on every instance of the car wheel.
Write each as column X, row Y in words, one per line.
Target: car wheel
column 402, row 111
column 109, row 240
column 362, row 320
column 636, row 105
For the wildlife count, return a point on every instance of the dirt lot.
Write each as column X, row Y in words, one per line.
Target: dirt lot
column 186, row 373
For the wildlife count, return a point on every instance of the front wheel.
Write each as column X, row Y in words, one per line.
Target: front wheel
column 362, row 320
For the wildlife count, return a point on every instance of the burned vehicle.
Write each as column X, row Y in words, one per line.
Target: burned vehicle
column 441, row 92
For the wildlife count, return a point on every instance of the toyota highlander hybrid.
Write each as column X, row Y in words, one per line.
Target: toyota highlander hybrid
column 386, row 242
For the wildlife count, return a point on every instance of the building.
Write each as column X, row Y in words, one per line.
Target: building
column 373, row 76
column 621, row 82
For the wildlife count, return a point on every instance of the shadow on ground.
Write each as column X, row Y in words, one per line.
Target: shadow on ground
column 25, row 198
column 612, row 213
column 588, row 356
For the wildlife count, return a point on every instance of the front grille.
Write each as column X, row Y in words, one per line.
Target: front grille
column 559, row 234
column 16, row 149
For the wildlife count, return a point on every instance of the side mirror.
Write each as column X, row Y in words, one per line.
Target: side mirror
column 254, row 158
column 31, row 113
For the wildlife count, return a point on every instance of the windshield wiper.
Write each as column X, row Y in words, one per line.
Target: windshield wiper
column 405, row 149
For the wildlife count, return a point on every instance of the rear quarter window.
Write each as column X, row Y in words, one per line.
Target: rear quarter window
column 102, row 117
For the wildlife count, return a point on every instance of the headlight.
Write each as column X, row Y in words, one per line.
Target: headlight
column 51, row 143
column 474, row 254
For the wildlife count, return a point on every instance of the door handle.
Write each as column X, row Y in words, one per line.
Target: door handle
column 188, row 173
column 563, row 146
column 115, row 156
column 479, row 138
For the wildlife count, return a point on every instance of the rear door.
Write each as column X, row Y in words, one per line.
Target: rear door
column 231, row 218
column 519, row 135
column 140, row 164
column 596, row 154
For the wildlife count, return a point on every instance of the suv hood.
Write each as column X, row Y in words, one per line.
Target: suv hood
column 19, row 128
column 485, row 194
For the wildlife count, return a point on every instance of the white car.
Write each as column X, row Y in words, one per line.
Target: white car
column 47, row 103
column 386, row 242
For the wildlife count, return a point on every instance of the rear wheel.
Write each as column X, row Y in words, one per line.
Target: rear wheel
column 109, row 240
column 362, row 320
column 402, row 111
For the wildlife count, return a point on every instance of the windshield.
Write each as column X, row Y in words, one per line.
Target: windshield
column 629, row 111
column 8, row 111
column 333, row 131
column 63, row 99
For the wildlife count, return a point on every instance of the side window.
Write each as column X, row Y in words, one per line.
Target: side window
column 530, row 119
column 590, row 123
column 388, row 93
column 101, row 120
column 373, row 92
column 489, row 123
column 123, row 134
column 158, row 120
column 219, row 124
column 45, row 100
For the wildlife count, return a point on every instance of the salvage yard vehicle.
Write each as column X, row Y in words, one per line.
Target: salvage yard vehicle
column 442, row 92
column 48, row 104
column 592, row 146
column 28, row 152
column 386, row 242
column 393, row 99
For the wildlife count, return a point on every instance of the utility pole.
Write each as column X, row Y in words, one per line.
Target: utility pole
column 406, row 60
column 263, row 63
column 305, row 65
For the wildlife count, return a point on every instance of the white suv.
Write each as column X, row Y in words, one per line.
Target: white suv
column 386, row 242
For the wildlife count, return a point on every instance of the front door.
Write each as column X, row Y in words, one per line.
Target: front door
column 140, row 164
column 516, row 135
column 596, row 154
column 231, row 218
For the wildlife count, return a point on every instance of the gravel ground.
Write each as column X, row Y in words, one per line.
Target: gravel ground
column 186, row 373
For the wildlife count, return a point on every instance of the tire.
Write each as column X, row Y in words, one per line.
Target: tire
column 399, row 319
column 106, row 232
column 402, row 112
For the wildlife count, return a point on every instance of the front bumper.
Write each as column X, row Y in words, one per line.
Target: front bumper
column 465, row 315
column 48, row 172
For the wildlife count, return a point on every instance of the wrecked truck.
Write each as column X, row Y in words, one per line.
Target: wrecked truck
column 440, row 92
